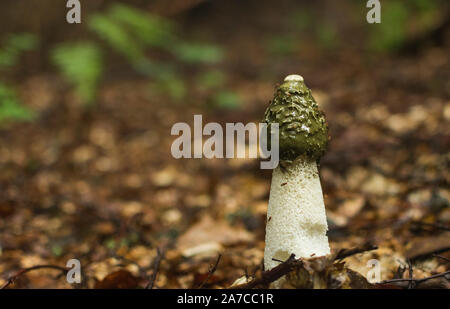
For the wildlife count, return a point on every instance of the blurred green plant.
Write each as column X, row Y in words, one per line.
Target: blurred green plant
column 57, row 250
column 304, row 27
column 13, row 47
column 226, row 99
column 326, row 35
column 170, row 84
column 130, row 31
column 282, row 45
column 198, row 53
column 212, row 79
column 400, row 20
column 391, row 32
column 214, row 82
column 10, row 107
column 133, row 33
column 116, row 36
column 148, row 29
column 81, row 63
column 110, row 243
column 301, row 20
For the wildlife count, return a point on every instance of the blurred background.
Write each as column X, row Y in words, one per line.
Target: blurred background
column 86, row 111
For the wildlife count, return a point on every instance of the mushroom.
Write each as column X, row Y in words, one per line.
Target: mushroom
column 296, row 218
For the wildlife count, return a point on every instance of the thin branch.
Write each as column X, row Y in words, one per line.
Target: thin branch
column 142, row 271
column 157, row 263
column 285, row 267
column 271, row 275
column 417, row 281
column 438, row 226
column 14, row 277
column 211, row 272
column 344, row 253
column 411, row 283
column 441, row 257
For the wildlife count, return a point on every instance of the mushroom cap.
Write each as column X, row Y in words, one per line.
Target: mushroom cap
column 302, row 126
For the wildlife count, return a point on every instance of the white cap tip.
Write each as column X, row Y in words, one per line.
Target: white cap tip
column 294, row 77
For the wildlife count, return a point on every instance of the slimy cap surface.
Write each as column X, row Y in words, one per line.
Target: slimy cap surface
column 302, row 126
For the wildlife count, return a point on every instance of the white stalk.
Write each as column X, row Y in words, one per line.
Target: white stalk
column 296, row 218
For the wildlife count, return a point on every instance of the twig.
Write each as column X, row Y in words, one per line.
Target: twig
column 14, row 277
column 417, row 281
column 211, row 272
column 142, row 271
column 277, row 260
column 438, row 226
column 344, row 253
column 159, row 257
column 441, row 257
column 285, row 267
column 411, row 283
column 400, row 270
column 271, row 275
column 246, row 273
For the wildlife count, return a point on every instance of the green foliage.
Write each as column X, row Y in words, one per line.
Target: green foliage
column 81, row 64
column 301, row 20
column 110, row 244
column 220, row 97
column 198, row 53
column 326, row 35
column 305, row 27
column 117, row 37
column 425, row 5
column 131, row 32
column 391, row 32
column 171, row 84
column 227, row 100
column 282, row 45
column 427, row 12
column 57, row 250
column 10, row 107
column 211, row 79
column 14, row 46
column 397, row 20
column 150, row 30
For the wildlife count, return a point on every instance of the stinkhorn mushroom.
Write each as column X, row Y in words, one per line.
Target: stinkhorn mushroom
column 296, row 218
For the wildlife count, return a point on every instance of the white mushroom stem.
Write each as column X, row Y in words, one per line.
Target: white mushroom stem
column 296, row 218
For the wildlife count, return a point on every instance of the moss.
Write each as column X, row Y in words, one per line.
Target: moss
column 303, row 129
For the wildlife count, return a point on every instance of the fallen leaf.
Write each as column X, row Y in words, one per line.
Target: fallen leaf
column 207, row 231
column 120, row 279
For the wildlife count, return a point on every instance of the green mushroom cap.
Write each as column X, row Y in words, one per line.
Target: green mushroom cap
column 302, row 126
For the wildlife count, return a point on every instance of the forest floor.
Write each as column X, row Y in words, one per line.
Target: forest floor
column 100, row 185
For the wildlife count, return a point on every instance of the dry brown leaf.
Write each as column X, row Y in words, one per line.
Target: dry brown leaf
column 216, row 234
column 120, row 279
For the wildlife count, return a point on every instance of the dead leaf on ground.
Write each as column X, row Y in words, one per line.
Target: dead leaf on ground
column 120, row 279
column 216, row 234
